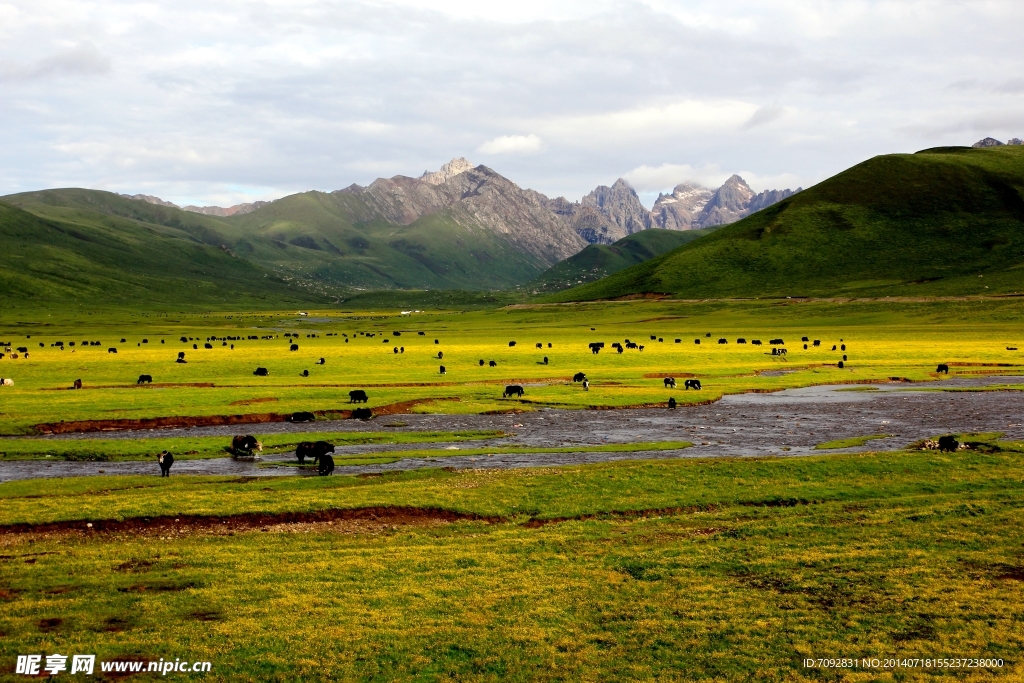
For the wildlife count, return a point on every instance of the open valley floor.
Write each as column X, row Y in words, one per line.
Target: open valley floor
column 792, row 509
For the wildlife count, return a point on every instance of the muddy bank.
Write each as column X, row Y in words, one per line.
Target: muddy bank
column 397, row 515
column 185, row 421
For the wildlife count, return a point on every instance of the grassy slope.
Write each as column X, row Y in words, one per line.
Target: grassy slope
column 71, row 258
column 922, row 224
column 601, row 260
column 352, row 246
column 746, row 567
column 323, row 243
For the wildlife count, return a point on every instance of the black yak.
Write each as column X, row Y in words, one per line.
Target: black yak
column 165, row 460
column 244, row 445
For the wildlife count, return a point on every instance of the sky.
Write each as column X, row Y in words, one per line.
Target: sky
column 225, row 101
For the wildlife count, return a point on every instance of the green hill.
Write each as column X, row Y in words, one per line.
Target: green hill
column 338, row 239
column 600, row 260
column 942, row 221
column 103, row 260
column 325, row 245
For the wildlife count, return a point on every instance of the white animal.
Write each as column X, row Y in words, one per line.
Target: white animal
column 6, row 382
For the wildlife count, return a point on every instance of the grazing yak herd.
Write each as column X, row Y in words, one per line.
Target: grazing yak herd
column 246, row 446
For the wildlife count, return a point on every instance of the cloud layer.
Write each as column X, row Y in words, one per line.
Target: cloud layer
column 222, row 101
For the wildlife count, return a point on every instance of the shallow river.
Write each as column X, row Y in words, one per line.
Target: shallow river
column 788, row 422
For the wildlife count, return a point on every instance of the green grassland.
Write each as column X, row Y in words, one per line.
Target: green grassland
column 600, row 260
column 670, row 570
column 945, row 221
column 884, row 339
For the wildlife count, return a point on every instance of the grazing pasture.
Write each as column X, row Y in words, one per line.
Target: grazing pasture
column 873, row 340
column 631, row 571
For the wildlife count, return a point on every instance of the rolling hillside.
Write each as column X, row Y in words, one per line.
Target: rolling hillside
column 942, row 221
column 600, row 260
column 97, row 260
column 473, row 231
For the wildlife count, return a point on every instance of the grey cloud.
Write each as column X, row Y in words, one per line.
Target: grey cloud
column 763, row 116
column 1014, row 86
column 83, row 59
column 277, row 97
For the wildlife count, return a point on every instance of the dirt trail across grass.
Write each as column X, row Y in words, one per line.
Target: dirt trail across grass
column 789, row 422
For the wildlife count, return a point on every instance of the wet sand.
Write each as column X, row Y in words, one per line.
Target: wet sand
column 787, row 423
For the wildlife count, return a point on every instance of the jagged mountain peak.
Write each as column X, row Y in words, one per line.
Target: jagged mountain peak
column 447, row 171
column 679, row 209
column 691, row 206
column 620, row 208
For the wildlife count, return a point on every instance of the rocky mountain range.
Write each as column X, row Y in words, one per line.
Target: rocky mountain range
column 692, row 207
column 476, row 198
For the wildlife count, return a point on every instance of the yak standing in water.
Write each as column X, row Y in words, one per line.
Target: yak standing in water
column 165, row 459
column 244, row 445
column 326, row 465
column 315, row 451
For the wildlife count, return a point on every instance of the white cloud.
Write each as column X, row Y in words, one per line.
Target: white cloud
column 281, row 95
column 650, row 179
column 629, row 125
column 512, row 144
column 759, row 182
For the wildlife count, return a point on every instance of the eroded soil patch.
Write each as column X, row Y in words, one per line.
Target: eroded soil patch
column 538, row 522
column 168, row 525
column 180, row 421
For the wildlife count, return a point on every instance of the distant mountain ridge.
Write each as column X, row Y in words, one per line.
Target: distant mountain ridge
column 460, row 227
column 475, row 196
column 608, row 214
column 692, row 207
column 237, row 209
column 604, row 216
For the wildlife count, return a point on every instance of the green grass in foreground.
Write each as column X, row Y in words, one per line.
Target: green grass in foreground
column 850, row 442
column 111, row 450
column 765, row 562
column 394, row 456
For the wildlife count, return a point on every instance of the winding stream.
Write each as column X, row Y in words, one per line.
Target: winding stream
column 789, row 422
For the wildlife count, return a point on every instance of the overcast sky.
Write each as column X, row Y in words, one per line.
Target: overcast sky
column 224, row 101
